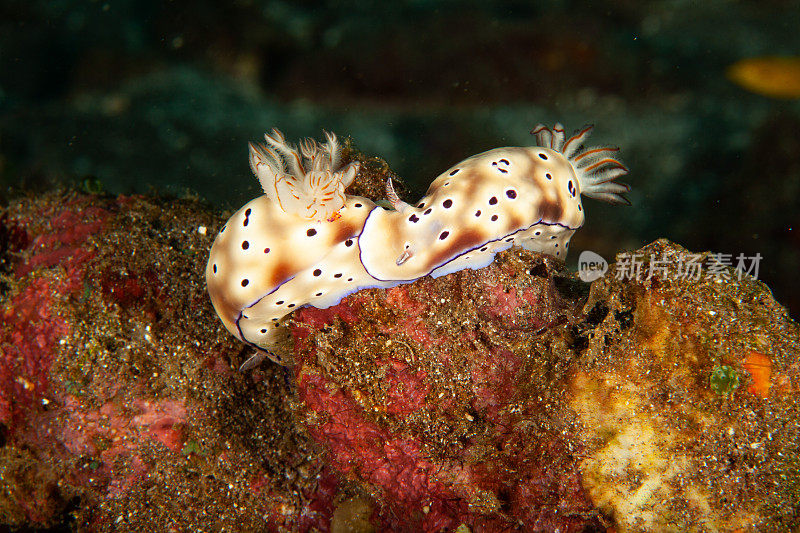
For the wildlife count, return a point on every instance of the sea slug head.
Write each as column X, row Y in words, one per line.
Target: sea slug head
column 307, row 181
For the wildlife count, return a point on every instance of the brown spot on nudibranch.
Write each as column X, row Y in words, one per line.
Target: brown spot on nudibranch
column 344, row 230
column 550, row 211
column 280, row 273
column 514, row 222
column 464, row 241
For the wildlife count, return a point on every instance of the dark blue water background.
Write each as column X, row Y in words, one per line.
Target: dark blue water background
column 141, row 95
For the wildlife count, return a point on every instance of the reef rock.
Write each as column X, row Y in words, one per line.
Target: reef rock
column 120, row 405
column 514, row 398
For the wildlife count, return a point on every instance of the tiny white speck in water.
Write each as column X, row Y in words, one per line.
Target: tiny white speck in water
column 202, row 230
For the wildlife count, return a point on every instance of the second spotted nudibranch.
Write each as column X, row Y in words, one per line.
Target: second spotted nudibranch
column 308, row 243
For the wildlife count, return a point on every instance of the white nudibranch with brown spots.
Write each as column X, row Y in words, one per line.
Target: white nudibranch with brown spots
column 308, row 243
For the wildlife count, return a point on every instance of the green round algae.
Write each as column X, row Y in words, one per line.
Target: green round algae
column 724, row 380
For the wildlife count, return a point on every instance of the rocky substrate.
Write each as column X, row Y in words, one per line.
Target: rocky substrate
column 515, row 397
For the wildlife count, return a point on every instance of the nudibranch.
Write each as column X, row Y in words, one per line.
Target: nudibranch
column 306, row 242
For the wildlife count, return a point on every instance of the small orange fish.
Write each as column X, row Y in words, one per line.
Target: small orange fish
column 773, row 76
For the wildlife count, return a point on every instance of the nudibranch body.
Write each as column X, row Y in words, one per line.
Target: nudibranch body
column 306, row 242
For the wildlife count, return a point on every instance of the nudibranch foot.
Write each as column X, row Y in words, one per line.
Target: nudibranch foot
column 308, row 243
